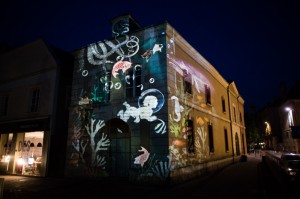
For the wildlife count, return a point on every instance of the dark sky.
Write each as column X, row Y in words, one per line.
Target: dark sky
column 254, row 43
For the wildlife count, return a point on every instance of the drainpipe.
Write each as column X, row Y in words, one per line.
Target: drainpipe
column 230, row 117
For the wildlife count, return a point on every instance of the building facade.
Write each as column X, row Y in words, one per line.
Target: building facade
column 290, row 120
column 147, row 106
column 34, row 84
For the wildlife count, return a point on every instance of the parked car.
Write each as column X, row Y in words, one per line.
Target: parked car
column 290, row 163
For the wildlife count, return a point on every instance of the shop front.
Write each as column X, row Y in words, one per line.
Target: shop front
column 23, row 150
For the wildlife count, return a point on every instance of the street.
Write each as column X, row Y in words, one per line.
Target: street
column 248, row 179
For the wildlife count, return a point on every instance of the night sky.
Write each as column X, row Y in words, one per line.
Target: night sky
column 254, row 43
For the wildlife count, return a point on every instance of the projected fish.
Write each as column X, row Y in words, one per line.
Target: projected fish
column 121, row 65
column 141, row 159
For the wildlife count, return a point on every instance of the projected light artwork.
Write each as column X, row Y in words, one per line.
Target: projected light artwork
column 133, row 108
column 112, row 95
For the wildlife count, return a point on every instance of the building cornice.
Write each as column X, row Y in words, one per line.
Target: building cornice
column 195, row 55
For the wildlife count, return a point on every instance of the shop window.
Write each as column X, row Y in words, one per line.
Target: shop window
column 211, row 138
column 30, row 153
column 3, row 105
column 207, row 94
column 23, row 153
column 34, row 102
column 5, row 151
column 133, row 82
column 226, row 139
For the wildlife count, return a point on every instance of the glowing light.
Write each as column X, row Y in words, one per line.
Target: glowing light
column 20, row 161
column 288, row 109
column 7, row 158
column 268, row 128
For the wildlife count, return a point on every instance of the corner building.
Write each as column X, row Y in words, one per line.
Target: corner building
column 148, row 107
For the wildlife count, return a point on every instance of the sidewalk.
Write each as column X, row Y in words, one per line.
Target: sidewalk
column 241, row 177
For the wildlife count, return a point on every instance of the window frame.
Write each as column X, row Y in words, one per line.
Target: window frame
column 207, row 94
column 135, row 79
column 223, row 104
column 34, row 101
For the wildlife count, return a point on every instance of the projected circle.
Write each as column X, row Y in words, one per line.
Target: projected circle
column 156, row 99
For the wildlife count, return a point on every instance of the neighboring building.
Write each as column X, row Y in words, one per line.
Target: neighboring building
column 147, row 106
column 290, row 120
column 280, row 121
column 35, row 81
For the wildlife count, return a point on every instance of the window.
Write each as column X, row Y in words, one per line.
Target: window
column 101, row 90
column 207, row 94
column 187, row 83
column 133, row 82
column 190, row 137
column 35, row 97
column 3, row 105
column 234, row 114
column 211, row 138
column 226, row 139
column 241, row 117
column 223, row 104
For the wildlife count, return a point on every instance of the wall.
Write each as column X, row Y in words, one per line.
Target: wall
column 118, row 114
column 189, row 150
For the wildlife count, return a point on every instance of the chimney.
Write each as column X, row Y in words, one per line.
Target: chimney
column 123, row 24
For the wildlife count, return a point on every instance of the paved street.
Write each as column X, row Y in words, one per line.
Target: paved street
column 250, row 179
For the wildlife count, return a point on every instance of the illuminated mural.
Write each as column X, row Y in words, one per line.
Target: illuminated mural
column 149, row 103
column 106, row 70
column 159, row 97
column 187, row 145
